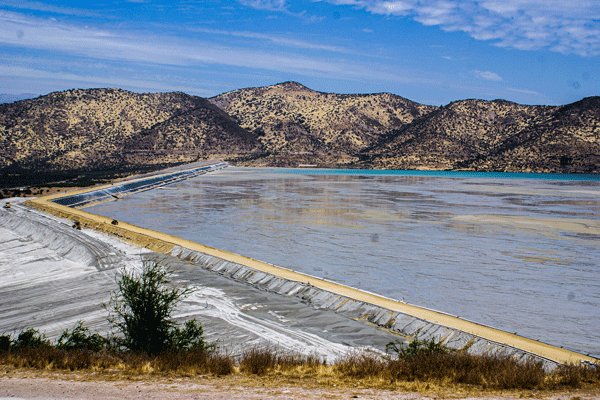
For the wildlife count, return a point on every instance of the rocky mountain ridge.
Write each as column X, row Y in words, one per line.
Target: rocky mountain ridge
column 288, row 125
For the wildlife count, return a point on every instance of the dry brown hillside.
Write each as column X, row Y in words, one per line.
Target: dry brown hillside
column 497, row 136
column 455, row 134
column 287, row 124
column 568, row 141
column 101, row 128
column 289, row 118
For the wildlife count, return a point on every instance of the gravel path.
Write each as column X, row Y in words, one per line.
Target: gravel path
column 26, row 385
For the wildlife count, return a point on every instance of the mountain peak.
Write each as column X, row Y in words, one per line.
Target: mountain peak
column 291, row 85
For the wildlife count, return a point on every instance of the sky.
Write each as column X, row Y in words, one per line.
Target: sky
column 429, row 51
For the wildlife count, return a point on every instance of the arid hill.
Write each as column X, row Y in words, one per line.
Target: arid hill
column 568, row 141
column 288, row 124
column 497, row 136
column 452, row 135
column 289, row 118
column 108, row 128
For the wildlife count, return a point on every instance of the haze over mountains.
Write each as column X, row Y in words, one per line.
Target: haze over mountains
column 9, row 98
column 288, row 125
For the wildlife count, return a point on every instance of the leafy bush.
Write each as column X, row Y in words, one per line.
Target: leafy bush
column 141, row 309
column 30, row 338
column 5, row 342
column 417, row 347
column 81, row 338
column 191, row 337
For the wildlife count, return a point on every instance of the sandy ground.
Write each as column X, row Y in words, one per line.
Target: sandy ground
column 22, row 385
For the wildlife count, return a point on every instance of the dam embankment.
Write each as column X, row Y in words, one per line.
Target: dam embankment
column 87, row 197
column 401, row 318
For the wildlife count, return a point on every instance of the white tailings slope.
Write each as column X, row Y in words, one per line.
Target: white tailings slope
column 52, row 275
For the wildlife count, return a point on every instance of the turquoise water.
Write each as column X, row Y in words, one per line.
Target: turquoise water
column 518, row 254
column 441, row 174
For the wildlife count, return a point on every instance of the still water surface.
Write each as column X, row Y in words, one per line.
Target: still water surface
column 522, row 255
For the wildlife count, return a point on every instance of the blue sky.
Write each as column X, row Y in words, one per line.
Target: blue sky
column 429, row 51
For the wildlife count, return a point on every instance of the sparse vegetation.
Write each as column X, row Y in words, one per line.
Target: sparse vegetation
column 151, row 342
column 261, row 361
column 450, row 370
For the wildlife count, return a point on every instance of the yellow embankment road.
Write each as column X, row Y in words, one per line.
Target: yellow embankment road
column 164, row 243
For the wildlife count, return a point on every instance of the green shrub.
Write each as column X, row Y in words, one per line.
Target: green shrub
column 191, row 337
column 5, row 342
column 416, row 347
column 30, row 338
column 141, row 309
column 80, row 338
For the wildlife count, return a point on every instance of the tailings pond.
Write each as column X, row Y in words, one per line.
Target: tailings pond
column 517, row 252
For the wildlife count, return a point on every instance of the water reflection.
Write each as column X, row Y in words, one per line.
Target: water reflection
column 520, row 255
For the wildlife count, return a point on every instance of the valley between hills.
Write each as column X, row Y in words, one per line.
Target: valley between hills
column 289, row 125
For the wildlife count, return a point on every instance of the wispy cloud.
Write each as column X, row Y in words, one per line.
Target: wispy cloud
column 89, row 80
column 567, row 27
column 524, row 91
column 295, row 43
column 487, row 75
column 20, row 31
column 280, row 6
column 271, row 5
column 38, row 6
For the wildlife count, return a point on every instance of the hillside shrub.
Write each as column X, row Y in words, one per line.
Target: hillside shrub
column 80, row 338
column 141, row 309
column 30, row 338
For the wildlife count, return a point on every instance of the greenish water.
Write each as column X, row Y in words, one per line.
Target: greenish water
column 439, row 174
column 519, row 252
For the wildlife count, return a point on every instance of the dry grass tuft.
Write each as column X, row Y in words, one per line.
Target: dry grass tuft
column 361, row 366
column 178, row 363
column 194, row 363
column 451, row 368
column 417, row 372
column 575, row 376
column 260, row 361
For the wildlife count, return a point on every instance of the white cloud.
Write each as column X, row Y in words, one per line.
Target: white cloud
column 487, row 75
column 567, row 27
column 122, row 46
column 524, row 91
column 272, row 5
column 275, row 40
column 38, row 6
